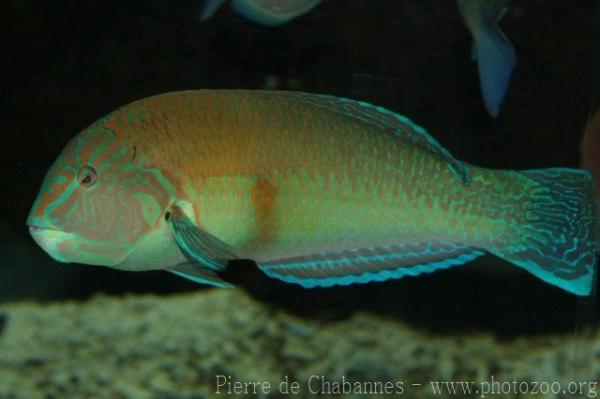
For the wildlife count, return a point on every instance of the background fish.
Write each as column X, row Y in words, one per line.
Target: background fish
column 590, row 150
column 318, row 190
column 493, row 52
column 264, row 12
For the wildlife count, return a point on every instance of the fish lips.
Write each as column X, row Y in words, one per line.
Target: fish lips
column 72, row 247
column 51, row 240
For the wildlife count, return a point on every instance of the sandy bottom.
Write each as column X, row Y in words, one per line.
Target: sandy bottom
column 222, row 343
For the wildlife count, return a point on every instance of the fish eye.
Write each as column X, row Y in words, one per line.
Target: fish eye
column 87, row 176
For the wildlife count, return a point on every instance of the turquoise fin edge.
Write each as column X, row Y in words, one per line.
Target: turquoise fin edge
column 383, row 275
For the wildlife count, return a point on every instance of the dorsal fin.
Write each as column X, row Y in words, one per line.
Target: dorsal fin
column 383, row 118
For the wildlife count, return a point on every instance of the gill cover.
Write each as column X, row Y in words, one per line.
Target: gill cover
column 104, row 194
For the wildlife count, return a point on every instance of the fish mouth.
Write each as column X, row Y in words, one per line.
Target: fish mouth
column 36, row 229
column 37, row 224
column 48, row 232
column 50, row 240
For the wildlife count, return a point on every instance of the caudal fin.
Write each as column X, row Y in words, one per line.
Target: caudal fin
column 557, row 242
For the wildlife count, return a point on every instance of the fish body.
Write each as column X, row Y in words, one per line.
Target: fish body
column 495, row 55
column 263, row 12
column 317, row 190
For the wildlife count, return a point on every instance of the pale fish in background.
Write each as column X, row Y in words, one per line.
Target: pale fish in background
column 263, row 12
column 317, row 190
column 495, row 55
column 590, row 150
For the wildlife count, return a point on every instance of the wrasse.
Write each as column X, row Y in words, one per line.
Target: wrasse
column 317, row 190
column 590, row 150
column 263, row 12
column 495, row 55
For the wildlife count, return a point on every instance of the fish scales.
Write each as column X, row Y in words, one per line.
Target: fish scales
column 333, row 175
column 318, row 190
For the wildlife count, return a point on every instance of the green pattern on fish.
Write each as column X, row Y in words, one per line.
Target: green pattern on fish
column 318, row 190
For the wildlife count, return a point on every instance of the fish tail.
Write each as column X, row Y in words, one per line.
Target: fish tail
column 496, row 57
column 557, row 238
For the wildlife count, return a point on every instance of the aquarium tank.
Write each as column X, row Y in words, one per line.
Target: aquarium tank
column 299, row 198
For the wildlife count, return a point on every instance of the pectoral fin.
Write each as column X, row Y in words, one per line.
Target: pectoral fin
column 199, row 274
column 198, row 244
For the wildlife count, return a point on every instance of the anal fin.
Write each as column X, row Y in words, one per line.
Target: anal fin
column 369, row 264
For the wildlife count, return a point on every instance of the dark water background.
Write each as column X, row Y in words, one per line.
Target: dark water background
column 65, row 64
